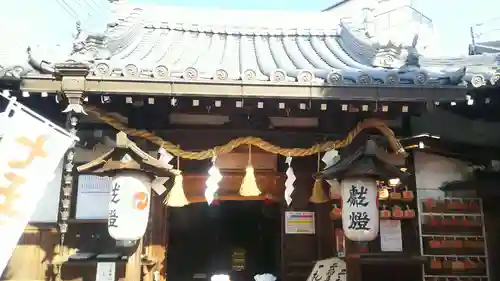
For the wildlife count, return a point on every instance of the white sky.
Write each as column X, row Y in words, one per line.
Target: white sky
column 43, row 21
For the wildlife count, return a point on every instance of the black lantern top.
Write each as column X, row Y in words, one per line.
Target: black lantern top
column 368, row 160
column 126, row 156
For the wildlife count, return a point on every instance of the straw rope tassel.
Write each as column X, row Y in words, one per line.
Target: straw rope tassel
column 176, row 197
column 249, row 184
column 318, row 194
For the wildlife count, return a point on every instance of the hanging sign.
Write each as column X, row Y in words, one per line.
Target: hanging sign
column 391, row 239
column 92, row 198
column 333, row 269
column 129, row 205
column 105, row 271
column 359, row 209
column 31, row 148
column 299, row 223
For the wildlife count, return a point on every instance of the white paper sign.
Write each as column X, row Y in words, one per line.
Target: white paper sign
column 30, row 149
column 391, row 239
column 105, row 271
column 92, row 199
column 333, row 269
column 129, row 205
column 299, row 223
column 360, row 217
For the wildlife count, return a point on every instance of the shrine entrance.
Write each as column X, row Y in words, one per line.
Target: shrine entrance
column 388, row 272
column 237, row 238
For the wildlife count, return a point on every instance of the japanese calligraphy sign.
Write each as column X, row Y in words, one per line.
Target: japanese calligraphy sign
column 333, row 269
column 31, row 149
column 359, row 209
column 129, row 205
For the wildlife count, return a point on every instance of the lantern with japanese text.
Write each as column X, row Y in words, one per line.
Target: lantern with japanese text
column 134, row 174
column 129, row 202
column 358, row 172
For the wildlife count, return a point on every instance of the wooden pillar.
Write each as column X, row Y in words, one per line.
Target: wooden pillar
column 133, row 268
column 156, row 241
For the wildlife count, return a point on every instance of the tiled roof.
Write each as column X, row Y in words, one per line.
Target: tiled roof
column 314, row 47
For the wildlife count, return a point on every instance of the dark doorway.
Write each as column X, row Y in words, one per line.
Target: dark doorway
column 388, row 272
column 203, row 240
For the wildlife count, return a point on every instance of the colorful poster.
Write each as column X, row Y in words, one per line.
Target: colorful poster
column 299, row 223
column 31, row 149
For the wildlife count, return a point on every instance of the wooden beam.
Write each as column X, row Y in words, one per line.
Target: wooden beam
column 245, row 89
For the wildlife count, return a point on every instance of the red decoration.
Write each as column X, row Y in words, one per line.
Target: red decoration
column 446, row 222
column 397, row 213
column 384, row 213
column 216, row 201
column 408, row 213
column 457, row 206
column 268, row 199
column 429, row 204
column 434, row 221
column 435, row 244
column 466, row 222
column 436, row 264
column 474, row 206
column 408, row 195
column 453, row 221
column 336, row 213
column 395, row 195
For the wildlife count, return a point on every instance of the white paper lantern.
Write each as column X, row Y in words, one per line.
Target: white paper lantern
column 360, row 216
column 129, row 205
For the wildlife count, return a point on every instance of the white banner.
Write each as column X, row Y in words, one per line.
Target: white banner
column 47, row 209
column 30, row 150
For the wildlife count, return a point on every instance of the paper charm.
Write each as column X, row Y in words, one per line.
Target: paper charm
column 165, row 158
column 330, row 158
column 158, row 185
column 290, row 179
column 212, row 183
